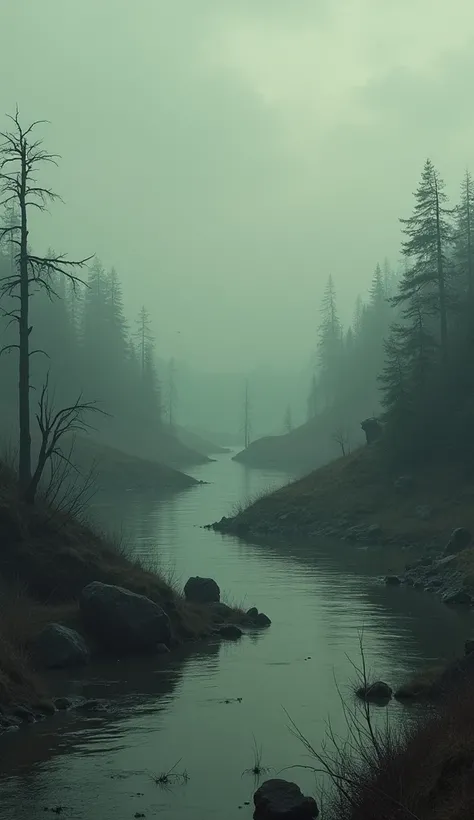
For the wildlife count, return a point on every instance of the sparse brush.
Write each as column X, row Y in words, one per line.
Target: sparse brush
column 257, row 769
column 171, row 777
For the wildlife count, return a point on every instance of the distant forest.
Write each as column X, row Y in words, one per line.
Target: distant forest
column 83, row 340
column 406, row 356
column 409, row 352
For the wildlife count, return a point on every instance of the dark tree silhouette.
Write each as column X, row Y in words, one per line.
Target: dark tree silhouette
column 21, row 157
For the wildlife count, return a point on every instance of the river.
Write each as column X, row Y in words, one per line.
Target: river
column 205, row 709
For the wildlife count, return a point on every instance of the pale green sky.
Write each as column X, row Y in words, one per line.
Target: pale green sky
column 227, row 155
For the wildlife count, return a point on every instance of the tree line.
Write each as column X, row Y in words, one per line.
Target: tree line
column 409, row 349
column 65, row 321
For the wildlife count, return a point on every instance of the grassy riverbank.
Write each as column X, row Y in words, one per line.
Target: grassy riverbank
column 47, row 557
column 359, row 498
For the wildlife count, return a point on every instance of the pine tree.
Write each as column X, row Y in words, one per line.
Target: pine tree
column 150, row 386
column 330, row 346
column 428, row 240
column 288, row 420
column 464, row 236
column 313, row 398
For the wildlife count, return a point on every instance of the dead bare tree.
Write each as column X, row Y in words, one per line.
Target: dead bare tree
column 341, row 437
column 53, row 426
column 21, row 155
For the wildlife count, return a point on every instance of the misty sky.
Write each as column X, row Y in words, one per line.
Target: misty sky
column 227, row 155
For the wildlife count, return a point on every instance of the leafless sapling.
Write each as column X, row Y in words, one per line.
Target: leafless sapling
column 21, row 157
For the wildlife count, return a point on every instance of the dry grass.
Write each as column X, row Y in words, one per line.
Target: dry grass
column 423, row 772
column 46, row 559
column 360, row 487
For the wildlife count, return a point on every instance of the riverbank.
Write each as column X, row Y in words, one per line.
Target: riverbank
column 48, row 560
column 358, row 498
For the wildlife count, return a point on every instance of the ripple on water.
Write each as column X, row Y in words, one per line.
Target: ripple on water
column 204, row 711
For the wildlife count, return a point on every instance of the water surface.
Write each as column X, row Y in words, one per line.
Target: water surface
column 207, row 708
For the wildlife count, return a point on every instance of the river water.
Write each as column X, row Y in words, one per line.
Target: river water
column 205, row 710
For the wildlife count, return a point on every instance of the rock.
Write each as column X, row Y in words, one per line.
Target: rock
column 262, row 620
column 282, row 800
column 252, row 612
column 58, row 647
column 375, row 692
column 62, row 704
column 92, row 705
column 23, row 713
column 424, row 512
column 202, row 590
column 45, row 707
column 404, row 484
column 230, row 631
column 372, row 428
column 123, row 621
column 392, row 580
column 460, row 539
column 457, row 597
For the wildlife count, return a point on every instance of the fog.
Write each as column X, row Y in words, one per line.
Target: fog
column 226, row 157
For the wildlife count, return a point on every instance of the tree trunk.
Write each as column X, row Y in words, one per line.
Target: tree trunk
column 24, row 364
column 443, row 313
column 469, row 242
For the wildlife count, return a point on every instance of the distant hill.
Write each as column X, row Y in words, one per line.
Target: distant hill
column 116, row 470
column 199, row 443
column 303, row 449
column 157, row 445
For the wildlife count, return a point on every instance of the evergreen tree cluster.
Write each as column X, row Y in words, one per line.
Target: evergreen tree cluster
column 344, row 383
column 81, row 337
column 407, row 354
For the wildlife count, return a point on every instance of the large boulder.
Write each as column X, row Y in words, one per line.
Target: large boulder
column 378, row 692
column 202, row 591
column 58, row 647
column 459, row 540
column 122, row 621
column 282, row 800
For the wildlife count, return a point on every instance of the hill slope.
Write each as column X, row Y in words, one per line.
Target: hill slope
column 116, row 470
column 199, row 443
column 358, row 497
column 303, row 449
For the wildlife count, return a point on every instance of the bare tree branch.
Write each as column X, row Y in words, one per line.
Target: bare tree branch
column 53, row 426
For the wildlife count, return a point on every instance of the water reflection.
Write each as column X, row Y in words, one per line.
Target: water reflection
column 205, row 707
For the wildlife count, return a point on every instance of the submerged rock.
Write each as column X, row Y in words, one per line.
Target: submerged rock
column 202, row 590
column 123, row 621
column 282, row 800
column 376, row 692
column 392, row 580
column 58, row 647
column 62, row 704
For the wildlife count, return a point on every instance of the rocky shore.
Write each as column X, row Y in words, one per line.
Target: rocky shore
column 115, row 622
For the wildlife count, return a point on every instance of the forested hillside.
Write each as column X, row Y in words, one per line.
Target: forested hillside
column 84, row 342
column 405, row 356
